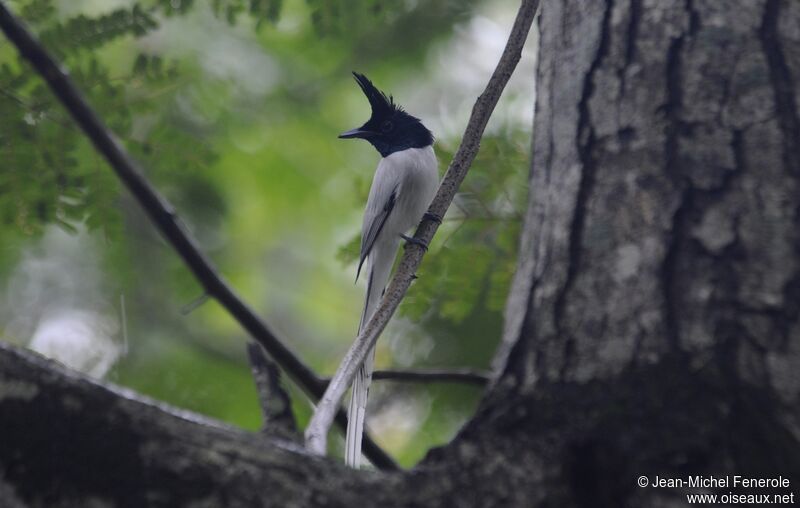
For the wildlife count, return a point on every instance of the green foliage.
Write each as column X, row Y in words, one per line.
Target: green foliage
column 335, row 16
column 259, row 10
column 83, row 33
column 152, row 70
column 174, row 7
column 349, row 252
column 473, row 257
column 37, row 11
column 43, row 181
column 195, row 379
column 49, row 174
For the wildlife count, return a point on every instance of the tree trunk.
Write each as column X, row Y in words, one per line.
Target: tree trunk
column 652, row 329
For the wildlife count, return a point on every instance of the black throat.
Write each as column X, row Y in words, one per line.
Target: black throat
column 418, row 137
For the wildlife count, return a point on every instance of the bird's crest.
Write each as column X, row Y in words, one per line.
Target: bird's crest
column 380, row 102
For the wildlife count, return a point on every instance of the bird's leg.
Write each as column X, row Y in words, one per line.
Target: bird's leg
column 414, row 241
column 432, row 217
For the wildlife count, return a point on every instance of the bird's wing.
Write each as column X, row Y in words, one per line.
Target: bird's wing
column 381, row 204
column 379, row 207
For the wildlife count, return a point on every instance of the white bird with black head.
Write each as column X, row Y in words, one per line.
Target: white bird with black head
column 402, row 189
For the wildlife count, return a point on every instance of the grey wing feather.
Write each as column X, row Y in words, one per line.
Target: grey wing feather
column 374, row 228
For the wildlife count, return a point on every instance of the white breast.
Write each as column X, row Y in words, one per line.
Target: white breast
column 413, row 172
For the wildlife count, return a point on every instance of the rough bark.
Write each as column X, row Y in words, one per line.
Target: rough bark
column 653, row 327
column 661, row 249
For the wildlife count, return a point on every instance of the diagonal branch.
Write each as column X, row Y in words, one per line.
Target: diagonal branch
column 166, row 219
column 317, row 431
column 467, row 376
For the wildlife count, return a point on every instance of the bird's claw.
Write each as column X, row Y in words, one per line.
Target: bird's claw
column 432, row 217
column 414, row 241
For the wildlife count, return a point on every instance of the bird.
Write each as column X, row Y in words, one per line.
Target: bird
column 404, row 184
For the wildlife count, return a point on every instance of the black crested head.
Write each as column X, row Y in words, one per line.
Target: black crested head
column 390, row 129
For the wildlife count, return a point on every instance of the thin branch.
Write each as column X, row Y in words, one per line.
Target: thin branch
column 194, row 304
column 481, row 218
column 167, row 221
column 124, row 324
column 32, row 109
column 317, row 431
column 276, row 407
column 469, row 376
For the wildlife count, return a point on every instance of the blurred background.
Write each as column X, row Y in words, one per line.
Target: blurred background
column 232, row 108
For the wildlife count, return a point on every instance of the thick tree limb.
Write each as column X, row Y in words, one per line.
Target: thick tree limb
column 316, row 433
column 70, row 441
column 166, row 219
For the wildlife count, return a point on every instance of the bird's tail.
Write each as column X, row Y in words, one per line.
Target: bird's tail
column 357, row 412
column 380, row 265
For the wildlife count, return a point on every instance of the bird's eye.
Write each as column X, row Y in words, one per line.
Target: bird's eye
column 387, row 126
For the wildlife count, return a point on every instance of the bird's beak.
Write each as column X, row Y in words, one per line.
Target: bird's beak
column 356, row 133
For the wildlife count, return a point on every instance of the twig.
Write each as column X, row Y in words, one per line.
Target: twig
column 317, row 431
column 167, row 221
column 124, row 322
column 32, row 109
column 194, row 304
column 276, row 407
column 479, row 378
